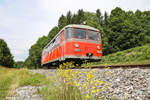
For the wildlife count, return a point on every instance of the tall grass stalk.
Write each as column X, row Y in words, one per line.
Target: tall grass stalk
column 10, row 79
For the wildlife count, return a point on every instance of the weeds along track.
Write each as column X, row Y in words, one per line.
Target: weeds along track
column 123, row 84
column 141, row 66
column 124, row 66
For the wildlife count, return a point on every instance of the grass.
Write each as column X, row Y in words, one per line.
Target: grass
column 10, row 79
column 52, row 92
column 137, row 55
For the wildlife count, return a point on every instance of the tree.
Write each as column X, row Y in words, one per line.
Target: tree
column 69, row 17
column 62, row 22
column 99, row 16
column 106, row 21
column 91, row 19
column 53, row 32
column 80, row 16
column 74, row 19
column 34, row 58
column 126, row 30
column 19, row 64
column 6, row 58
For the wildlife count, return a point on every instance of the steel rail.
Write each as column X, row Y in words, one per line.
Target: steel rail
column 141, row 66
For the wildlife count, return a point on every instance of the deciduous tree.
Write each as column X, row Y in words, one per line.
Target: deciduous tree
column 6, row 58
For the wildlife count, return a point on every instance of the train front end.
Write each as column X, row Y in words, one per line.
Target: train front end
column 83, row 43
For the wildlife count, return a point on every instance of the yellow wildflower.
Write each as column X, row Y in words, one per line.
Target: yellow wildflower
column 97, row 90
column 69, row 83
column 64, row 64
column 106, row 84
column 100, row 82
column 95, row 84
column 93, row 91
column 89, row 75
column 84, row 85
column 107, row 72
column 76, row 84
column 93, row 71
column 93, row 87
column 91, row 82
column 85, row 88
column 87, row 96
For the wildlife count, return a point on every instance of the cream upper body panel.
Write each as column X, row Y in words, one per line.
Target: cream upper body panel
column 76, row 26
column 81, row 26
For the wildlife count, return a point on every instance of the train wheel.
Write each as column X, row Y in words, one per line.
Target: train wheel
column 78, row 63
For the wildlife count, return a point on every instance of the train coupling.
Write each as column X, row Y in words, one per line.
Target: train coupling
column 89, row 54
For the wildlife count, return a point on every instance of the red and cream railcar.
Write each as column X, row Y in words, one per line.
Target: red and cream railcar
column 73, row 42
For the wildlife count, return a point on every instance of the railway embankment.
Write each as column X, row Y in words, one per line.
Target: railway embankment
column 125, row 84
column 137, row 55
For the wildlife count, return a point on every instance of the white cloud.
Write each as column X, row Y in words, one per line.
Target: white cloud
column 62, row 6
column 22, row 22
column 133, row 5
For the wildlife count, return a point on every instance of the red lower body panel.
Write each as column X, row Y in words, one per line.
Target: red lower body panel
column 73, row 49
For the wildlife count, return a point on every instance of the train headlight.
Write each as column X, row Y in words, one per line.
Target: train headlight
column 98, row 47
column 76, row 45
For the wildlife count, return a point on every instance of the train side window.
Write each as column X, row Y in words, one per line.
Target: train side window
column 45, row 51
column 69, row 33
column 99, row 36
column 57, row 40
column 53, row 43
column 62, row 38
column 50, row 46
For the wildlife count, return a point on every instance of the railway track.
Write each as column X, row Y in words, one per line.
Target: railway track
column 141, row 66
column 124, row 66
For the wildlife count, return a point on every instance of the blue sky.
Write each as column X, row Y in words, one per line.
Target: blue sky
column 22, row 22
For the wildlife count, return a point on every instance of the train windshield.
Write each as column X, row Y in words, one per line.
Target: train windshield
column 80, row 33
column 93, row 35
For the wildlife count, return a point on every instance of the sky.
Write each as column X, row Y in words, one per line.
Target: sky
column 22, row 22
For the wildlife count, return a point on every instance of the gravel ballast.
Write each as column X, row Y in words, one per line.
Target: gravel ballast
column 125, row 84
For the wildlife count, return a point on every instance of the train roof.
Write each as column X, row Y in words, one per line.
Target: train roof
column 81, row 26
column 74, row 25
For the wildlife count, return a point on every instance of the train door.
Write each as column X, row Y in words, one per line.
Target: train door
column 62, row 47
column 58, row 47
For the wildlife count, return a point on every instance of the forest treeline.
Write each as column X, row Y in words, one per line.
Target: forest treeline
column 6, row 58
column 120, row 30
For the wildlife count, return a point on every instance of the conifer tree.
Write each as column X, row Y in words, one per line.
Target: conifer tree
column 106, row 22
column 69, row 17
column 62, row 22
column 99, row 16
column 80, row 16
